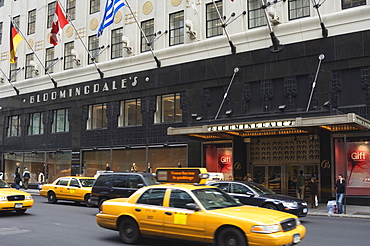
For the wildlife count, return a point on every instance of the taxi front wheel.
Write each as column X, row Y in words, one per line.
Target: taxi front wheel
column 231, row 237
column 129, row 231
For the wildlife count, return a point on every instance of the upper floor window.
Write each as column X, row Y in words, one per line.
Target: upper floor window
column 51, row 13
column 214, row 25
column 29, row 66
column 256, row 17
column 130, row 113
column 49, row 59
column 14, row 127
column 168, row 109
column 36, row 125
column 148, row 28
column 97, row 116
column 177, row 28
column 17, row 21
column 71, row 9
column 1, row 3
column 60, row 121
column 117, row 43
column 93, row 48
column 13, row 71
column 1, row 32
column 299, row 9
column 352, row 3
column 94, row 6
column 68, row 57
column 31, row 22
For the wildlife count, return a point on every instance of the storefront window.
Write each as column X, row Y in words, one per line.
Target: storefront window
column 95, row 160
column 167, row 157
column 219, row 159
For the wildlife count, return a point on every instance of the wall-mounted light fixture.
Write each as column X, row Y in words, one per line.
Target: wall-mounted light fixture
column 282, row 108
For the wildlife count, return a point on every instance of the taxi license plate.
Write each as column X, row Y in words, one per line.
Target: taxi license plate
column 296, row 238
column 18, row 205
column 305, row 210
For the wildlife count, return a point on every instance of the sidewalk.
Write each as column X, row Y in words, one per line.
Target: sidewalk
column 352, row 211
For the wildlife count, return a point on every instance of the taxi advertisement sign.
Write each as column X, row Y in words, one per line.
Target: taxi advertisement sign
column 180, row 175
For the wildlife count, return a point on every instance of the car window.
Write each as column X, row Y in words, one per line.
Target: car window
column 3, row 184
column 63, row 181
column 222, row 186
column 119, row 181
column 214, row 198
column 179, row 199
column 149, row 179
column 87, row 182
column 103, row 180
column 152, row 197
column 239, row 189
column 74, row 182
column 134, row 180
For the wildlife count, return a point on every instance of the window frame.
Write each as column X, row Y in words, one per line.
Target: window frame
column 124, row 119
column 31, row 22
column 29, row 69
column 148, row 27
column 94, row 6
column 14, row 130
column 68, row 57
column 162, row 106
column 260, row 19
column 71, row 9
column 213, row 22
column 352, row 3
column 55, row 126
column 92, row 121
column 49, row 59
column 117, row 43
column 304, row 7
column 93, row 46
column 177, row 28
column 51, row 13
column 36, row 124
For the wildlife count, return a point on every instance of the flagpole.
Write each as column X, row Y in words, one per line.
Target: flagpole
column 79, row 37
column 37, row 57
column 146, row 39
column 9, row 80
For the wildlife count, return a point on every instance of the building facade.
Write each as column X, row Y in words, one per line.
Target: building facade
column 238, row 87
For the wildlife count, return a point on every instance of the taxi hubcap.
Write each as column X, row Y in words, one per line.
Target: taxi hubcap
column 129, row 231
column 231, row 242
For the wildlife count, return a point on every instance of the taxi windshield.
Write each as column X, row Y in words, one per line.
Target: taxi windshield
column 214, row 198
column 87, row 182
column 3, row 184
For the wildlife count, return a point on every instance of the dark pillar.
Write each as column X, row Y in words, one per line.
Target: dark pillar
column 194, row 153
column 239, row 158
column 325, row 168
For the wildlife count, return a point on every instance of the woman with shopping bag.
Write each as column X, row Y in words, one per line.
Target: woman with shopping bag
column 314, row 191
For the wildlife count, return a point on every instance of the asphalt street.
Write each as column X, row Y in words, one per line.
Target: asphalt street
column 66, row 223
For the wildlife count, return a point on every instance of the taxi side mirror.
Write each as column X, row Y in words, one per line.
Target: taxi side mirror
column 192, row 206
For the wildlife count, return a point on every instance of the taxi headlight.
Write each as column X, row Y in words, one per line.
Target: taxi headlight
column 266, row 229
column 3, row 198
column 290, row 205
column 29, row 197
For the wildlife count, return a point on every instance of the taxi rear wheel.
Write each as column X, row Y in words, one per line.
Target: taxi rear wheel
column 52, row 197
column 231, row 237
column 129, row 231
column 88, row 200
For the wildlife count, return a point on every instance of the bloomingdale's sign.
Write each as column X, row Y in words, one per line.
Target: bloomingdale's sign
column 80, row 90
column 244, row 126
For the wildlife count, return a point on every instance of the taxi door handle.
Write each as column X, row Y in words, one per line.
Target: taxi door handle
column 137, row 209
column 168, row 213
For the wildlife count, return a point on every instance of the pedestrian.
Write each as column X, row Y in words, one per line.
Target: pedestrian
column 107, row 167
column 26, row 178
column 314, row 192
column 40, row 179
column 300, row 185
column 340, row 188
column 248, row 177
column 17, row 180
column 1, row 175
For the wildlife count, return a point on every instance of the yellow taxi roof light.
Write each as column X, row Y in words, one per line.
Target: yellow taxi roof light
column 182, row 175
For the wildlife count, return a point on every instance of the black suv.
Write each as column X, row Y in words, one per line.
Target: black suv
column 118, row 184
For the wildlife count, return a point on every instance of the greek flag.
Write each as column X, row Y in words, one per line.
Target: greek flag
column 111, row 8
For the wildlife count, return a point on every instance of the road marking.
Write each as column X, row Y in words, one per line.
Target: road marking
column 12, row 230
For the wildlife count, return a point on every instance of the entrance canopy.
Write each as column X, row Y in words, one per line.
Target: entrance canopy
column 334, row 123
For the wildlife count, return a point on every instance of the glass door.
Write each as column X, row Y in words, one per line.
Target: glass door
column 274, row 178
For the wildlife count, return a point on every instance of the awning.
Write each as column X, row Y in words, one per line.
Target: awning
column 333, row 123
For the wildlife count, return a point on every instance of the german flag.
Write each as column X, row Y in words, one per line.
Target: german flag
column 15, row 39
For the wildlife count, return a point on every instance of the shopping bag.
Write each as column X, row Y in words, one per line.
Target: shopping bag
column 316, row 201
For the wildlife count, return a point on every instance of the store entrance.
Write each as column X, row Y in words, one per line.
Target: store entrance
column 282, row 179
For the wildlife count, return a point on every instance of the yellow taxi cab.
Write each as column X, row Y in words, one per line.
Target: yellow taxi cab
column 14, row 200
column 72, row 188
column 196, row 212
